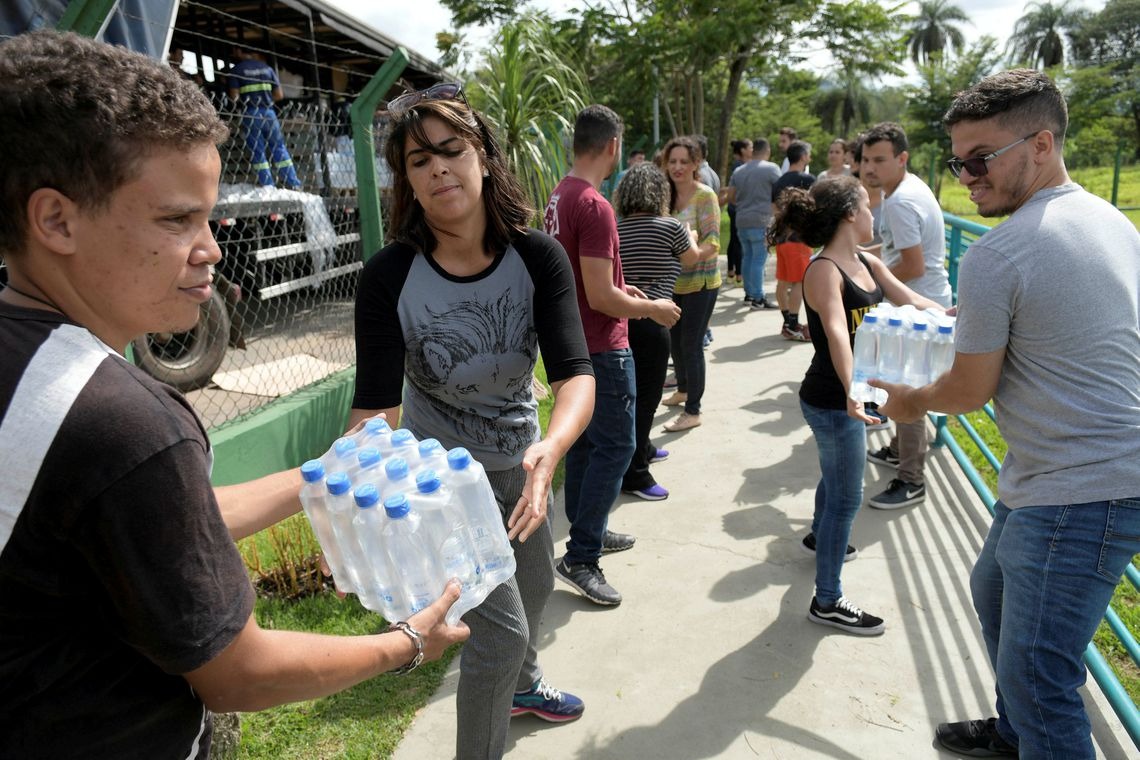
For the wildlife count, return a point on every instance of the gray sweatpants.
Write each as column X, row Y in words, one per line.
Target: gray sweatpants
column 501, row 656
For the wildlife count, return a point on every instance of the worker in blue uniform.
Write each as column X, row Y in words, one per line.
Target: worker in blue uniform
column 254, row 85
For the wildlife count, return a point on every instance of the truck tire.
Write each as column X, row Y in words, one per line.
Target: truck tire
column 188, row 360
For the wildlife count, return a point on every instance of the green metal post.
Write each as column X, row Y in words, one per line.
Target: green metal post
column 363, row 114
column 1116, row 174
column 86, row 17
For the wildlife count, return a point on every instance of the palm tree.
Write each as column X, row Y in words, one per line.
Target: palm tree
column 1037, row 36
column 530, row 93
column 934, row 30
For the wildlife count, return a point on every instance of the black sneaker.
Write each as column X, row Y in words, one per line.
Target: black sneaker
column 846, row 617
column 808, row 545
column 899, row 494
column 883, row 457
column 587, row 580
column 618, row 542
column 974, row 738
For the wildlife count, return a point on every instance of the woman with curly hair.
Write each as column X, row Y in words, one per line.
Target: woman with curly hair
column 840, row 286
column 695, row 291
column 654, row 247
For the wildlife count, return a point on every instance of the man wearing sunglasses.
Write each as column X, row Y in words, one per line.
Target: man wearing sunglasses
column 1064, row 376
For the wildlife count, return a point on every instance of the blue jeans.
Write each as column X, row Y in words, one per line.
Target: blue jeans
column 597, row 461
column 1040, row 587
column 842, row 444
column 754, row 254
column 686, row 344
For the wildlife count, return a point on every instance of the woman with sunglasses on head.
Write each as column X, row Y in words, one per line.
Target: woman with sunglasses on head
column 695, row 291
column 450, row 317
column 841, row 285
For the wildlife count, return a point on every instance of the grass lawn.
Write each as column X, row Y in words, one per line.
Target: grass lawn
column 1126, row 602
column 366, row 721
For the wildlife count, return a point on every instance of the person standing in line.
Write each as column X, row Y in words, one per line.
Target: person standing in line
column 708, row 175
column 450, row 318
column 734, row 273
column 126, row 612
column 583, row 222
column 654, row 246
column 914, row 248
column 750, row 188
column 837, row 164
column 1066, row 390
column 784, row 141
column 695, row 291
column 792, row 254
column 253, row 84
column 841, row 286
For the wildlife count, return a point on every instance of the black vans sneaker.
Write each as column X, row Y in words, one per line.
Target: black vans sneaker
column 587, row 579
column 899, row 494
column 974, row 738
column 808, row 545
column 846, row 617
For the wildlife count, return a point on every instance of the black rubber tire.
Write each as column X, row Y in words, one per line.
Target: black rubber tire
column 188, row 360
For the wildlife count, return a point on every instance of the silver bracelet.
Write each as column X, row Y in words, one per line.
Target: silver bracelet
column 417, row 640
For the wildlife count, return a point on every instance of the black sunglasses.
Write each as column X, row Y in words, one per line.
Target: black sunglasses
column 445, row 91
column 978, row 166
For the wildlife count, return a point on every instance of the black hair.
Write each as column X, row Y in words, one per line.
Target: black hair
column 595, row 126
column 815, row 214
column 886, row 131
column 1020, row 99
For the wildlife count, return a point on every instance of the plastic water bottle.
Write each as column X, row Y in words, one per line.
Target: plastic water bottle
column 377, row 433
column 916, row 360
column 865, row 355
column 890, row 366
column 432, row 455
column 404, row 445
column 341, row 457
column 476, row 502
column 368, row 465
column 449, row 535
column 411, row 555
column 342, row 510
column 380, row 594
column 396, row 478
column 942, row 351
column 313, row 500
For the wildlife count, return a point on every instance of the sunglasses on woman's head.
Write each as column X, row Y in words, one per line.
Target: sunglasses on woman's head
column 445, row 91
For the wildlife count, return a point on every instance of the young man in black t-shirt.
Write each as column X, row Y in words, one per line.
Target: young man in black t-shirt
column 125, row 610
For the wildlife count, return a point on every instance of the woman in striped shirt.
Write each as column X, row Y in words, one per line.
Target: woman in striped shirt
column 653, row 247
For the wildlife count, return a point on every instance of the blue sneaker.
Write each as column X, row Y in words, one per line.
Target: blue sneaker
column 655, row 492
column 660, row 455
column 544, row 701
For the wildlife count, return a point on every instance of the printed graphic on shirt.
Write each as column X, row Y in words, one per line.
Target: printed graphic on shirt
column 472, row 353
column 550, row 218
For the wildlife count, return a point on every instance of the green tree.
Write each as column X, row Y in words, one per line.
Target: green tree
column 1038, row 37
column 530, row 91
column 934, row 30
column 1111, row 39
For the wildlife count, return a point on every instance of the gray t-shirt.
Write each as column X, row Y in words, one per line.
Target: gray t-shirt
column 753, row 182
column 708, row 176
column 1057, row 285
column 911, row 216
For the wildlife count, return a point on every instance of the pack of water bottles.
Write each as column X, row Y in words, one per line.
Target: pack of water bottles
column 900, row 345
column 397, row 518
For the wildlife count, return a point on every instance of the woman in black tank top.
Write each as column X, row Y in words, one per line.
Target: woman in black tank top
column 840, row 286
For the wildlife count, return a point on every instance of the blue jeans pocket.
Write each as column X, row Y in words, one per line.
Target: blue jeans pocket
column 1121, row 538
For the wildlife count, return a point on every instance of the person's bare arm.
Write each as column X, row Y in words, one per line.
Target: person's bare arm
column 911, row 264
column 573, row 407
column 278, row 93
column 727, row 195
column 261, row 668
column 968, row 385
column 255, row 505
column 604, row 296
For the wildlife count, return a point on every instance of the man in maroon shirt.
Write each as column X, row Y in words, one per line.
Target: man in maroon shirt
column 584, row 223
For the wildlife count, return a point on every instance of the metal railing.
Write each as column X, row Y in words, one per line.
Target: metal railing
column 959, row 234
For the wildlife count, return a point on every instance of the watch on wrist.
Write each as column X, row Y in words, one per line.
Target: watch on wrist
column 417, row 640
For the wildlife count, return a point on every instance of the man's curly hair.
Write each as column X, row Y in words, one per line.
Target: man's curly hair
column 80, row 116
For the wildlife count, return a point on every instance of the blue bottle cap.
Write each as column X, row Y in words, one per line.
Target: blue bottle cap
column 872, row 318
column 368, row 457
column 946, row 329
column 366, row 496
column 397, row 468
column 312, row 471
column 894, row 321
column 427, row 481
column 920, row 326
column 396, row 506
column 338, row 483
column 403, row 437
column 376, row 427
column 458, row 458
column 344, row 447
column 429, row 447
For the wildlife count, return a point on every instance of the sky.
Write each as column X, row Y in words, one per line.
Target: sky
column 417, row 30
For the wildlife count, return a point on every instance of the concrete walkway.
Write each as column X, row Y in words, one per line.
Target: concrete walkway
column 710, row 653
